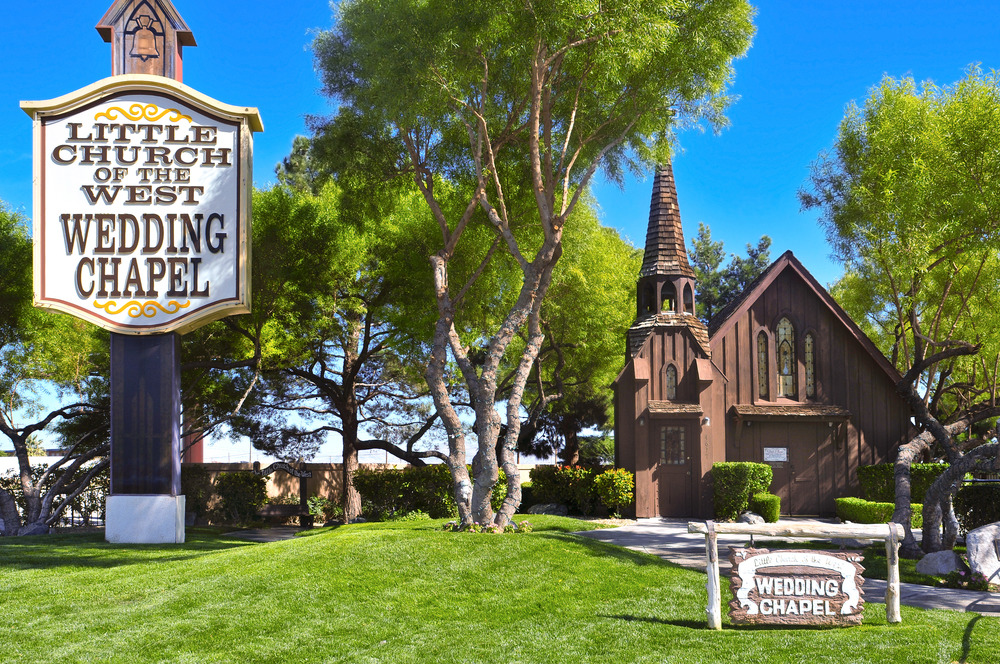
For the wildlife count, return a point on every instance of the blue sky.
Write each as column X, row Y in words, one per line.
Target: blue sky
column 808, row 61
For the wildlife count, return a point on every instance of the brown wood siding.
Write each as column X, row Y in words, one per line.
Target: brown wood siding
column 846, row 376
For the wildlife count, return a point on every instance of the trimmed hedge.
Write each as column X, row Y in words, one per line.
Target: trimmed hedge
column 767, row 505
column 977, row 505
column 734, row 482
column 859, row 510
column 572, row 486
column 241, row 495
column 878, row 482
column 390, row 493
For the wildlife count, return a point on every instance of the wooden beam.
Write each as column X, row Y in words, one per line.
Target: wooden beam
column 860, row 530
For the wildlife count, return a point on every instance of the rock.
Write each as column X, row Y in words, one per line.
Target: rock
column 851, row 543
column 34, row 529
column 940, row 563
column 554, row 509
column 359, row 519
column 333, row 524
column 981, row 547
column 750, row 517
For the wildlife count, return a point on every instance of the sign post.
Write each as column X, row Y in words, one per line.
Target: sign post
column 142, row 226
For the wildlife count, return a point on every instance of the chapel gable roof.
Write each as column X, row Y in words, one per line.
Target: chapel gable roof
column 722, row 321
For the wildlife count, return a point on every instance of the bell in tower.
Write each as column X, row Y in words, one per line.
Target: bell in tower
column 144, row 40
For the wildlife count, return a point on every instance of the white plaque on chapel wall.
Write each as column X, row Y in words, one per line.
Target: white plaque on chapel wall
column 142, row 205
column 775, row 454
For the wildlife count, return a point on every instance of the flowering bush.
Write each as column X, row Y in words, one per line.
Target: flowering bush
column 965, row 580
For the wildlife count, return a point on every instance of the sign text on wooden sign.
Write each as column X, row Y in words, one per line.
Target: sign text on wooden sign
column 796, row 587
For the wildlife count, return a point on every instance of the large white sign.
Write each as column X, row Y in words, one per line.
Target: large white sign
column 142, row 205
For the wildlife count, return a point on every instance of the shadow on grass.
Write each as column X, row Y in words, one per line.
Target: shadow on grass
column 605, row 550
column 687, row 624
column 91, row 550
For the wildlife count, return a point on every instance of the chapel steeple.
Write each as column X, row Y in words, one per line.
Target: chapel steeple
column 666, row 280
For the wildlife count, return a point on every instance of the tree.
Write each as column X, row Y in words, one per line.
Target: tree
column 336, row 363
column 501, row 113
column 585, row 315
column 41, row 353
column 910, row 202
column 717, row 285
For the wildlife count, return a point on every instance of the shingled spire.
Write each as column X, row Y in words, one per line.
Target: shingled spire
column 665, row 253
column 666, row 280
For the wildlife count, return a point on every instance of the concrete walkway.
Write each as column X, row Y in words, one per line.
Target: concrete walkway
column 670, row 540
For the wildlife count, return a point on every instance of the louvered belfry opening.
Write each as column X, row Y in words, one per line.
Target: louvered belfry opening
column 666, row 281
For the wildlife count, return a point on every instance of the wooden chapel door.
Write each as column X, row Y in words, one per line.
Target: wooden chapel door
column 674, row 445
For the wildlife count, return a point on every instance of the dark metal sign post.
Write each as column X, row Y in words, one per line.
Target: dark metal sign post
column 142, row 226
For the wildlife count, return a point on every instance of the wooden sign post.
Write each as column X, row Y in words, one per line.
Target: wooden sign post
column 834, row 598
column 142, row 226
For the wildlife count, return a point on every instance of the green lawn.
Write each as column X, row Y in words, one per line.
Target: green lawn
column 407, row 592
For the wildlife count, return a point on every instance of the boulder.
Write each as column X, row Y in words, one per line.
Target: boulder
column 554, row 509
column 982, row 549
column 750, row 517
column 940, row 563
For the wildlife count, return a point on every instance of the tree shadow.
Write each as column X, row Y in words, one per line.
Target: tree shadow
column 601, row 549
column 687, row 624
column 91, row 550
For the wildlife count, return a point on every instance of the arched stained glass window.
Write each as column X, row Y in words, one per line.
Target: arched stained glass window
column 810, row 349
column 671, row 382
column 786, row 359
column 762, row 365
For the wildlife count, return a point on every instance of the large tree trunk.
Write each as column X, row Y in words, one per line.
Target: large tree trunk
column 938, row 501
column 350, row 499
column 570, row 454
column 902, row 513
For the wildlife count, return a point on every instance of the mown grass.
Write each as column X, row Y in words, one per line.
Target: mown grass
column 408, row 592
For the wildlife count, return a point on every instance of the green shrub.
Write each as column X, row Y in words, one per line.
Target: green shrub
column 322, row 509
column 241, row 495
column 390, row 492
column 878, row 482
column 527, row 496
column 977, row 505
column 859, row 510
column 767, row 505
column 734, row 482
column 196, row 485
column 616, row 489
column 572, row 486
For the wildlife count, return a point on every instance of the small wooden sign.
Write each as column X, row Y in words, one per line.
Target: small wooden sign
column 796, row 587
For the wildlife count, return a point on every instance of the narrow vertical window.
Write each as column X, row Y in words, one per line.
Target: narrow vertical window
column 762, row 365
column 671, row 382
column 810, row 348
column 648, row 300
column 688, row 299
column 786, row 359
